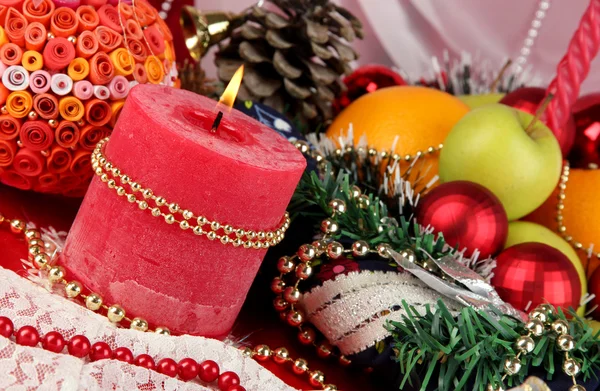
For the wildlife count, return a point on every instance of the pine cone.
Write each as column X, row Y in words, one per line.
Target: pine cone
column 193, row 78
column 295, row 52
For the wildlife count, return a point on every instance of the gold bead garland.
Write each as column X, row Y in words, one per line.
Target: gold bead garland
column 199, row 225
column 560, row 206
column 538, row 325
column 56, row 275
column 116, row 314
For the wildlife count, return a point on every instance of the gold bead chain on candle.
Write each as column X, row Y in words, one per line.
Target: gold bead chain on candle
column 110, row 174
column 560, row 206
column 38, row 255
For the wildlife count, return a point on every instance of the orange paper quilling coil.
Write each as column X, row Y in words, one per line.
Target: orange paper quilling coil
column 32, row 60
column 123, row 62
column 9, row 127
column 40, row 12
column 3, row 37
column 19, row 103
column 64, row 22
column 11, row 54
column 146, row 15
column 101, row 69
column 8, row 150
column 116, row 108
column 35, row 36
column 28, row 162
column 155, row 39
column 97, row 112
column 59, row 160
column 71, row 108
column 15, row 25
column 47, row 181
column 58, row 53
column 108, row 39
column 4, row 92
column 36, row 135
column 87, row 44
column 79, row 68
column 81, row 163
column 133, row 29
column 139, row 73
column 91, row 135
column 94, row 3
column 154, row 70
column 126, row 10
column 109, row 17
column 46, row 105
column 164, row 29
column 87, row 17
column 137, row 49
column 67, row 134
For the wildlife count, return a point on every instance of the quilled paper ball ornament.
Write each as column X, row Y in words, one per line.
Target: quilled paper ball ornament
column 66, row 73
column 467, row 214
column 536, row 273
column 415, row 120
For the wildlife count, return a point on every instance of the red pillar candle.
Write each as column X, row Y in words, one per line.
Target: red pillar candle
column 244, row 175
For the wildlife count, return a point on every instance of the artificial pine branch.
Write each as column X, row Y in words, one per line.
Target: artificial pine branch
column 473, row 345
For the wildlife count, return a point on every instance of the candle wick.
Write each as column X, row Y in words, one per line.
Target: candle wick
column 215, row 125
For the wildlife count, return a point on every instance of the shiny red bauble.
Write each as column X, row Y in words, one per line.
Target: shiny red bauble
column 528, row 99
column 586, row 151
column 145, row 361
column 228, row 380
column 236, row 388
column 364, row 80
column 79, row 346
column 123, row 354
column 53, row 342
column 27, row 336
column 594, row 289
column 188, row 369
column 6, row 327
column 530, row 274
column 167, row 366
column 467, row 214
column 100, row 351
column 209, row 371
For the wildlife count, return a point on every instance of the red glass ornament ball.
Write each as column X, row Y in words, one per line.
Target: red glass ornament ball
column 27, row 336
column 167, row 366
column 53, row 342
column 364, row 80
column 227, row 380
column 536, row 273
column 79, row 346
column 467, row 214
column 209, row 371
column 6, row 327
column 123, row 354
column 594, row 288
column 145, row 361
column 236, row 388
column 100, row 351
column 528, row 99
column 586, row 151
column 188, row 369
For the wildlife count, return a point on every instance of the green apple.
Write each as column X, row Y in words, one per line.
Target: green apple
column 490, row 146
column 474, row 101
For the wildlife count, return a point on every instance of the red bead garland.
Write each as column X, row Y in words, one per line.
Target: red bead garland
column 79, row 346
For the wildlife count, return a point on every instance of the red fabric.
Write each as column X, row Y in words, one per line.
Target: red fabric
column 257, row 323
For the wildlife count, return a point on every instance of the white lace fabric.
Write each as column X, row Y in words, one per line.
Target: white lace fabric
column 27, row 368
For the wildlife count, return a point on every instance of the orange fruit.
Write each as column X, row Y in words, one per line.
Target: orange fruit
column 581, row 213
column 420, row 117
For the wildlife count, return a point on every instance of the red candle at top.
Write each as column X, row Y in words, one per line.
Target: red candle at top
column 574, row 68
column 243, row 175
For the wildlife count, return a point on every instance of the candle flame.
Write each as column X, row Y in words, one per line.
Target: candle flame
column 228, row 97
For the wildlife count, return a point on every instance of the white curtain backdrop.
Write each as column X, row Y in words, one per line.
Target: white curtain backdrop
column 407, row 33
